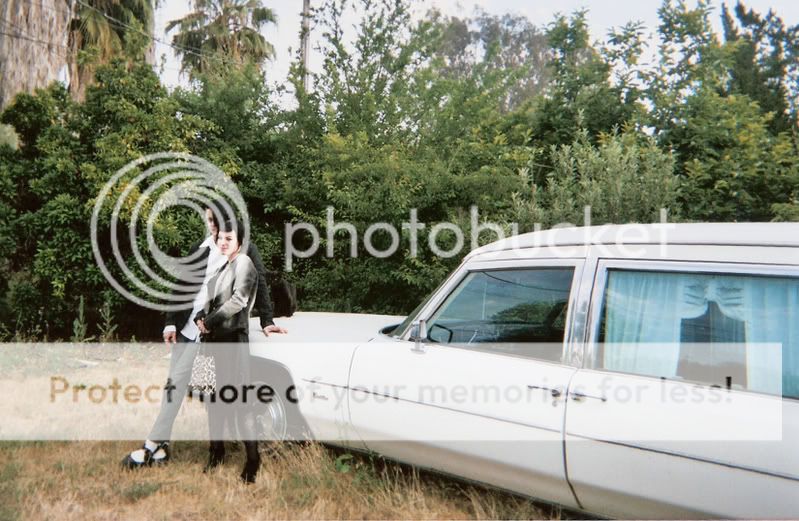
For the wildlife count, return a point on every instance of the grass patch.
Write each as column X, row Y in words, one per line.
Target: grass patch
column 67, row 481
column 139, row 491
column 9, row 491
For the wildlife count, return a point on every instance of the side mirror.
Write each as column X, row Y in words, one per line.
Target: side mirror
column 388, row 329
column 419, row 335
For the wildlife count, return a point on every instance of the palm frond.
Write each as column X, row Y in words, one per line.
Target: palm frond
column 263, row 16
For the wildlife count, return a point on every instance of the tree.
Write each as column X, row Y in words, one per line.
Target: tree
column 766, row 63
column 510, row 43
column 104, row 29
column 369, row 85
column 33, row 47
column 732, row 166
column 222, row 34
column 690, row 57
column 580, row 95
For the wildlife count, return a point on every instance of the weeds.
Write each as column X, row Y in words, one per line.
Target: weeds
column 80, row 326
column 139, row 491
column 65, row 481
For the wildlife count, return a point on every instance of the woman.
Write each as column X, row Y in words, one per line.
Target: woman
column 181, row 336
column 224, row 324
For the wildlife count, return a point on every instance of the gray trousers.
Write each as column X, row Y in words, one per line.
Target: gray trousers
column 183, row 353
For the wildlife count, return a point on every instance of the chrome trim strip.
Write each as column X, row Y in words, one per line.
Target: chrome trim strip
column 397, row 398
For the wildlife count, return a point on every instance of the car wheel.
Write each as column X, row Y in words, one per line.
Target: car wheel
column 278, row 419
column 271, row 418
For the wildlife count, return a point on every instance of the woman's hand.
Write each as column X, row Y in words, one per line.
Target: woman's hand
column 272, row 328
column 201, row 325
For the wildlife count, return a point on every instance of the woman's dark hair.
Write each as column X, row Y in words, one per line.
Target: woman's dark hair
column 234, row 225
column 220, row 212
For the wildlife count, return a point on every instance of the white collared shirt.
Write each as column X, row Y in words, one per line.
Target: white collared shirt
column 215, row 261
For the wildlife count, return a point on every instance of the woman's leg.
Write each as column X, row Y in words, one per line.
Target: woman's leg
column 216, row 430
column 180, row 365
column 253, row 462
column 218, row 411
column 245, row 410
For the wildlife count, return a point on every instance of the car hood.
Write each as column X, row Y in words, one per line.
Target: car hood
column 306, row 326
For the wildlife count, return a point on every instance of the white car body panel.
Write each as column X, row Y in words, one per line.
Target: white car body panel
column 316, row 351
column 446, row 402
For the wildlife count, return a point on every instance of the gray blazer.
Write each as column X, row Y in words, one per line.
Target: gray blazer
column 231, row 296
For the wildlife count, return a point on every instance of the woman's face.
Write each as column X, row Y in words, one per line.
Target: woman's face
column 228, row 243
column 209, row 221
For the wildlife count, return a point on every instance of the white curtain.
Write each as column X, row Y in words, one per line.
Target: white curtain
column 644, row 312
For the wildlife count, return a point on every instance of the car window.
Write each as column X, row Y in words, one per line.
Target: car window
column 520, row 312
column 731, row 330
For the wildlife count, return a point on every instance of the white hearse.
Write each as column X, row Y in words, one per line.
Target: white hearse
column 646, row 371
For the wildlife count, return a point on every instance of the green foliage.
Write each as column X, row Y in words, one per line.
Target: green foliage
column 25, row 305
column 580, row 95
column 343, row 463
column 735, row 161
column 237, row 104
column 734, row 168
column 367, row 185
column 102, row 25
column 30, row 115
column 624, row 178
column 786, row 212
column 366, row 87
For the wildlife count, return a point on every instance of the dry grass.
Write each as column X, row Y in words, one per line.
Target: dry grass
column 67, row 480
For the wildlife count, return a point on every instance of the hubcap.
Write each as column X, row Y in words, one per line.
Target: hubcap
column 270, row 420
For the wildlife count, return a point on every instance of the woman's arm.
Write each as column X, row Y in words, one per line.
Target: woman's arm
column 243, row 288
column 263, row 302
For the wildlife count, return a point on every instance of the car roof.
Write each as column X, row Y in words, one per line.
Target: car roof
column 715, row 234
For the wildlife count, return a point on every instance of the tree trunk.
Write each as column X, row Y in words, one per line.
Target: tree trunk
column 34, row 45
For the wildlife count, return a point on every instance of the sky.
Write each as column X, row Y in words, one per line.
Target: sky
column 602, row 15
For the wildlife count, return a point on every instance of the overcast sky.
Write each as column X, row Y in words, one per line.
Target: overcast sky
column 602, row 15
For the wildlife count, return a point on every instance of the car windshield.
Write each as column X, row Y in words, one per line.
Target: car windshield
column 400, row 330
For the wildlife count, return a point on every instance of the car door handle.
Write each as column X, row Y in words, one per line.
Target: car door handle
column 556, row 393
column 579, row 397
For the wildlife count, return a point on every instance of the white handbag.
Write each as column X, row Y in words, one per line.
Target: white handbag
column 203, row 374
